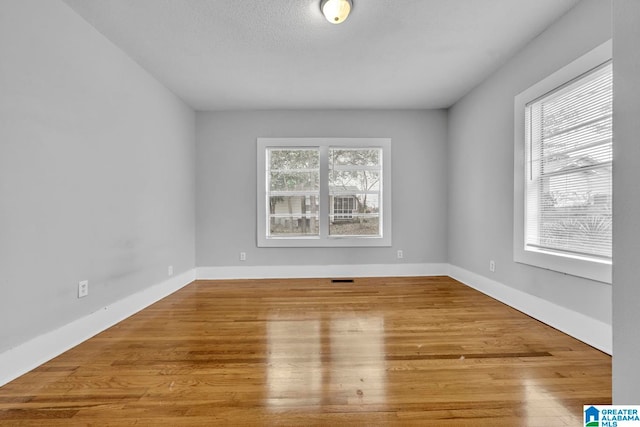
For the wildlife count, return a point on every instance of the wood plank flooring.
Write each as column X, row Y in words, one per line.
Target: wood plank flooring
column 379, row 351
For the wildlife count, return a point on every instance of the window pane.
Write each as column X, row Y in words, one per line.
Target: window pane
column 355, row 156
column 354, row 215
column 355, row 191
column 341, row 181
column 293, row 216
column 294, row 181
column 576, row 214
column 294, row 158
column 358, row 225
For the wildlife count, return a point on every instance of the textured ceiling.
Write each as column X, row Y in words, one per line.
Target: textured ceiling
column 283, row 54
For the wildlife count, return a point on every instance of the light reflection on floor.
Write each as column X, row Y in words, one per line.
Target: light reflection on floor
column 337, row 360
column 542, row 406
column 294, row 371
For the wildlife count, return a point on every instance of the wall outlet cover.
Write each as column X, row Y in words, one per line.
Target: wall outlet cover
column 83, row 288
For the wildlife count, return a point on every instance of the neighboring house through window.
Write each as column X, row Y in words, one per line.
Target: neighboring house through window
column 344, row 207
column 563, row 173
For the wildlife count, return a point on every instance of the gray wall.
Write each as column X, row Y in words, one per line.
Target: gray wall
column 97, row 176
column 626, row 183
column 96, row 172
column 481, row 172
column 226, row 184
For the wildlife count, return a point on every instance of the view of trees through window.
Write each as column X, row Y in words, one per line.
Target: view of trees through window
column 294, row 191
column 354, row 190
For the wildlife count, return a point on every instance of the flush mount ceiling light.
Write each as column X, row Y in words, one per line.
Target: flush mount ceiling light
column 336, row 11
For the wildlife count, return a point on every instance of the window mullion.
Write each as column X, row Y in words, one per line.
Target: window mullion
column 324, row 192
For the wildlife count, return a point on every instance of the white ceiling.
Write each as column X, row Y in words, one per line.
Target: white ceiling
column 283, row 54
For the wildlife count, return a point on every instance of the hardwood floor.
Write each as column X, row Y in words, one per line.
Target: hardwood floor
column 383, row 351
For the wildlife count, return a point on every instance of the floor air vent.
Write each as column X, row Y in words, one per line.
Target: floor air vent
column 341, row 280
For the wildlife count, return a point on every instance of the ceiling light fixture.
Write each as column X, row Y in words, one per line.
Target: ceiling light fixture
column 336, row 11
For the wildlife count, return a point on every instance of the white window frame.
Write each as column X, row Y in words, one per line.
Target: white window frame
column 590, row 268
column 324, row 239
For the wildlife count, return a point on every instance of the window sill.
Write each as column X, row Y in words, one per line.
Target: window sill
column 574, row 265
column 328, row 242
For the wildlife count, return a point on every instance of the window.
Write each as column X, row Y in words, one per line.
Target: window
column 355, row 190
column 293, row 191
column 563, row 214
column 324, row 192
column 343, row 208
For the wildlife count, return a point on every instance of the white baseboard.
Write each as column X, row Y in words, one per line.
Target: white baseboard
column 320, row 271
column 594, row 332
column 25, row 357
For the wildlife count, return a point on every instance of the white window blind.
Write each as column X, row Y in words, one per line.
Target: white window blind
column 568, row 167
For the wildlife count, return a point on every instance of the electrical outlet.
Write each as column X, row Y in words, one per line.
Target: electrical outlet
column 400, row 254
column 83, row 288
column 492, row 266
column 170, row 270
column 243, row 256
